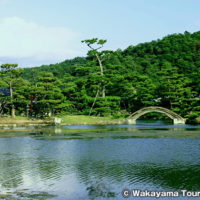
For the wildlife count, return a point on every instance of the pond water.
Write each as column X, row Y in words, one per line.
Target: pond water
column 98, row 162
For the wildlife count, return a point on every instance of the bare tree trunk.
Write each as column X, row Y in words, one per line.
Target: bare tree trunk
column 103, row 90
column 101, row 71
column 13, row 111
column 11, row 99
column 94, row 102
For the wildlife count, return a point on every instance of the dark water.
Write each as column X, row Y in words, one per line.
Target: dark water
column 98, row 162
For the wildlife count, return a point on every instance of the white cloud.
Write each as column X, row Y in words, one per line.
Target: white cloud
column 20, row 40
column 4, row 2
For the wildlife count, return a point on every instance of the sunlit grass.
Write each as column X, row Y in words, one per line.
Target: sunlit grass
column 83, row 119
column 66, row 119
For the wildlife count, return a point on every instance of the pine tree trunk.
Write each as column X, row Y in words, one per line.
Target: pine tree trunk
column 11, row 99
column 94, row 102
column 103, row 90
column 13, row 111
column 101, row 71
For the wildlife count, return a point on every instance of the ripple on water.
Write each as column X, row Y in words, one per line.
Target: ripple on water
column 99, row 163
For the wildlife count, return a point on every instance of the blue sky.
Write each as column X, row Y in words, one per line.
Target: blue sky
column 35, row 32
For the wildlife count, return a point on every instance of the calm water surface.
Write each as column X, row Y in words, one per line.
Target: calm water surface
column 98, row 162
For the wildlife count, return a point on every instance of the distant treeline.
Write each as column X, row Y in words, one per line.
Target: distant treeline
column 163, row 73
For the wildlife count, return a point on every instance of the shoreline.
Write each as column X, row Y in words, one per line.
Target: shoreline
column 66, row 120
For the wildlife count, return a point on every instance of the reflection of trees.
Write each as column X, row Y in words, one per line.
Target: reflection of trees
column 11, row 172
column 97, row 189
column 101, row 165
column 114, row 165
column 99, row 176
column 177, row 176
column 27, row 166
column 93, row 175
column 49, row 169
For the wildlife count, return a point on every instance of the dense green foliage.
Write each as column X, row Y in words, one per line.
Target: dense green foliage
column 161, row 73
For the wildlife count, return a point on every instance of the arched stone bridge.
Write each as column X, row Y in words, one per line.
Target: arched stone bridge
column 177, row 119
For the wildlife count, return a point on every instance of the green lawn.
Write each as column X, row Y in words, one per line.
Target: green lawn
column 83, row 119
column 66, row 119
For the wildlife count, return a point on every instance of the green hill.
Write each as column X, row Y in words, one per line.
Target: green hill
column 165, row 72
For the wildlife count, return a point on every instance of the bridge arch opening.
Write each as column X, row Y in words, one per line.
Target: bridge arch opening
column 152, row 117
column 177, row 119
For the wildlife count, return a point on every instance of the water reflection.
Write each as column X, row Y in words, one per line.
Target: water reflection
column 99, row 163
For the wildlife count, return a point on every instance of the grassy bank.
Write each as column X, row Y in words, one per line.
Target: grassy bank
column 83, row 119
column 23, row 121
column 66, row 120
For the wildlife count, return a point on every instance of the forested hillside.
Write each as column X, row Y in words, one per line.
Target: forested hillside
column 163, row 73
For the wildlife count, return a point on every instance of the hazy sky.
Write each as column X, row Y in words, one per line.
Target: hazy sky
column 35, row 32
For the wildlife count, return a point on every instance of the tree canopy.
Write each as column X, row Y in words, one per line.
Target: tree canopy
column 165, row 72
